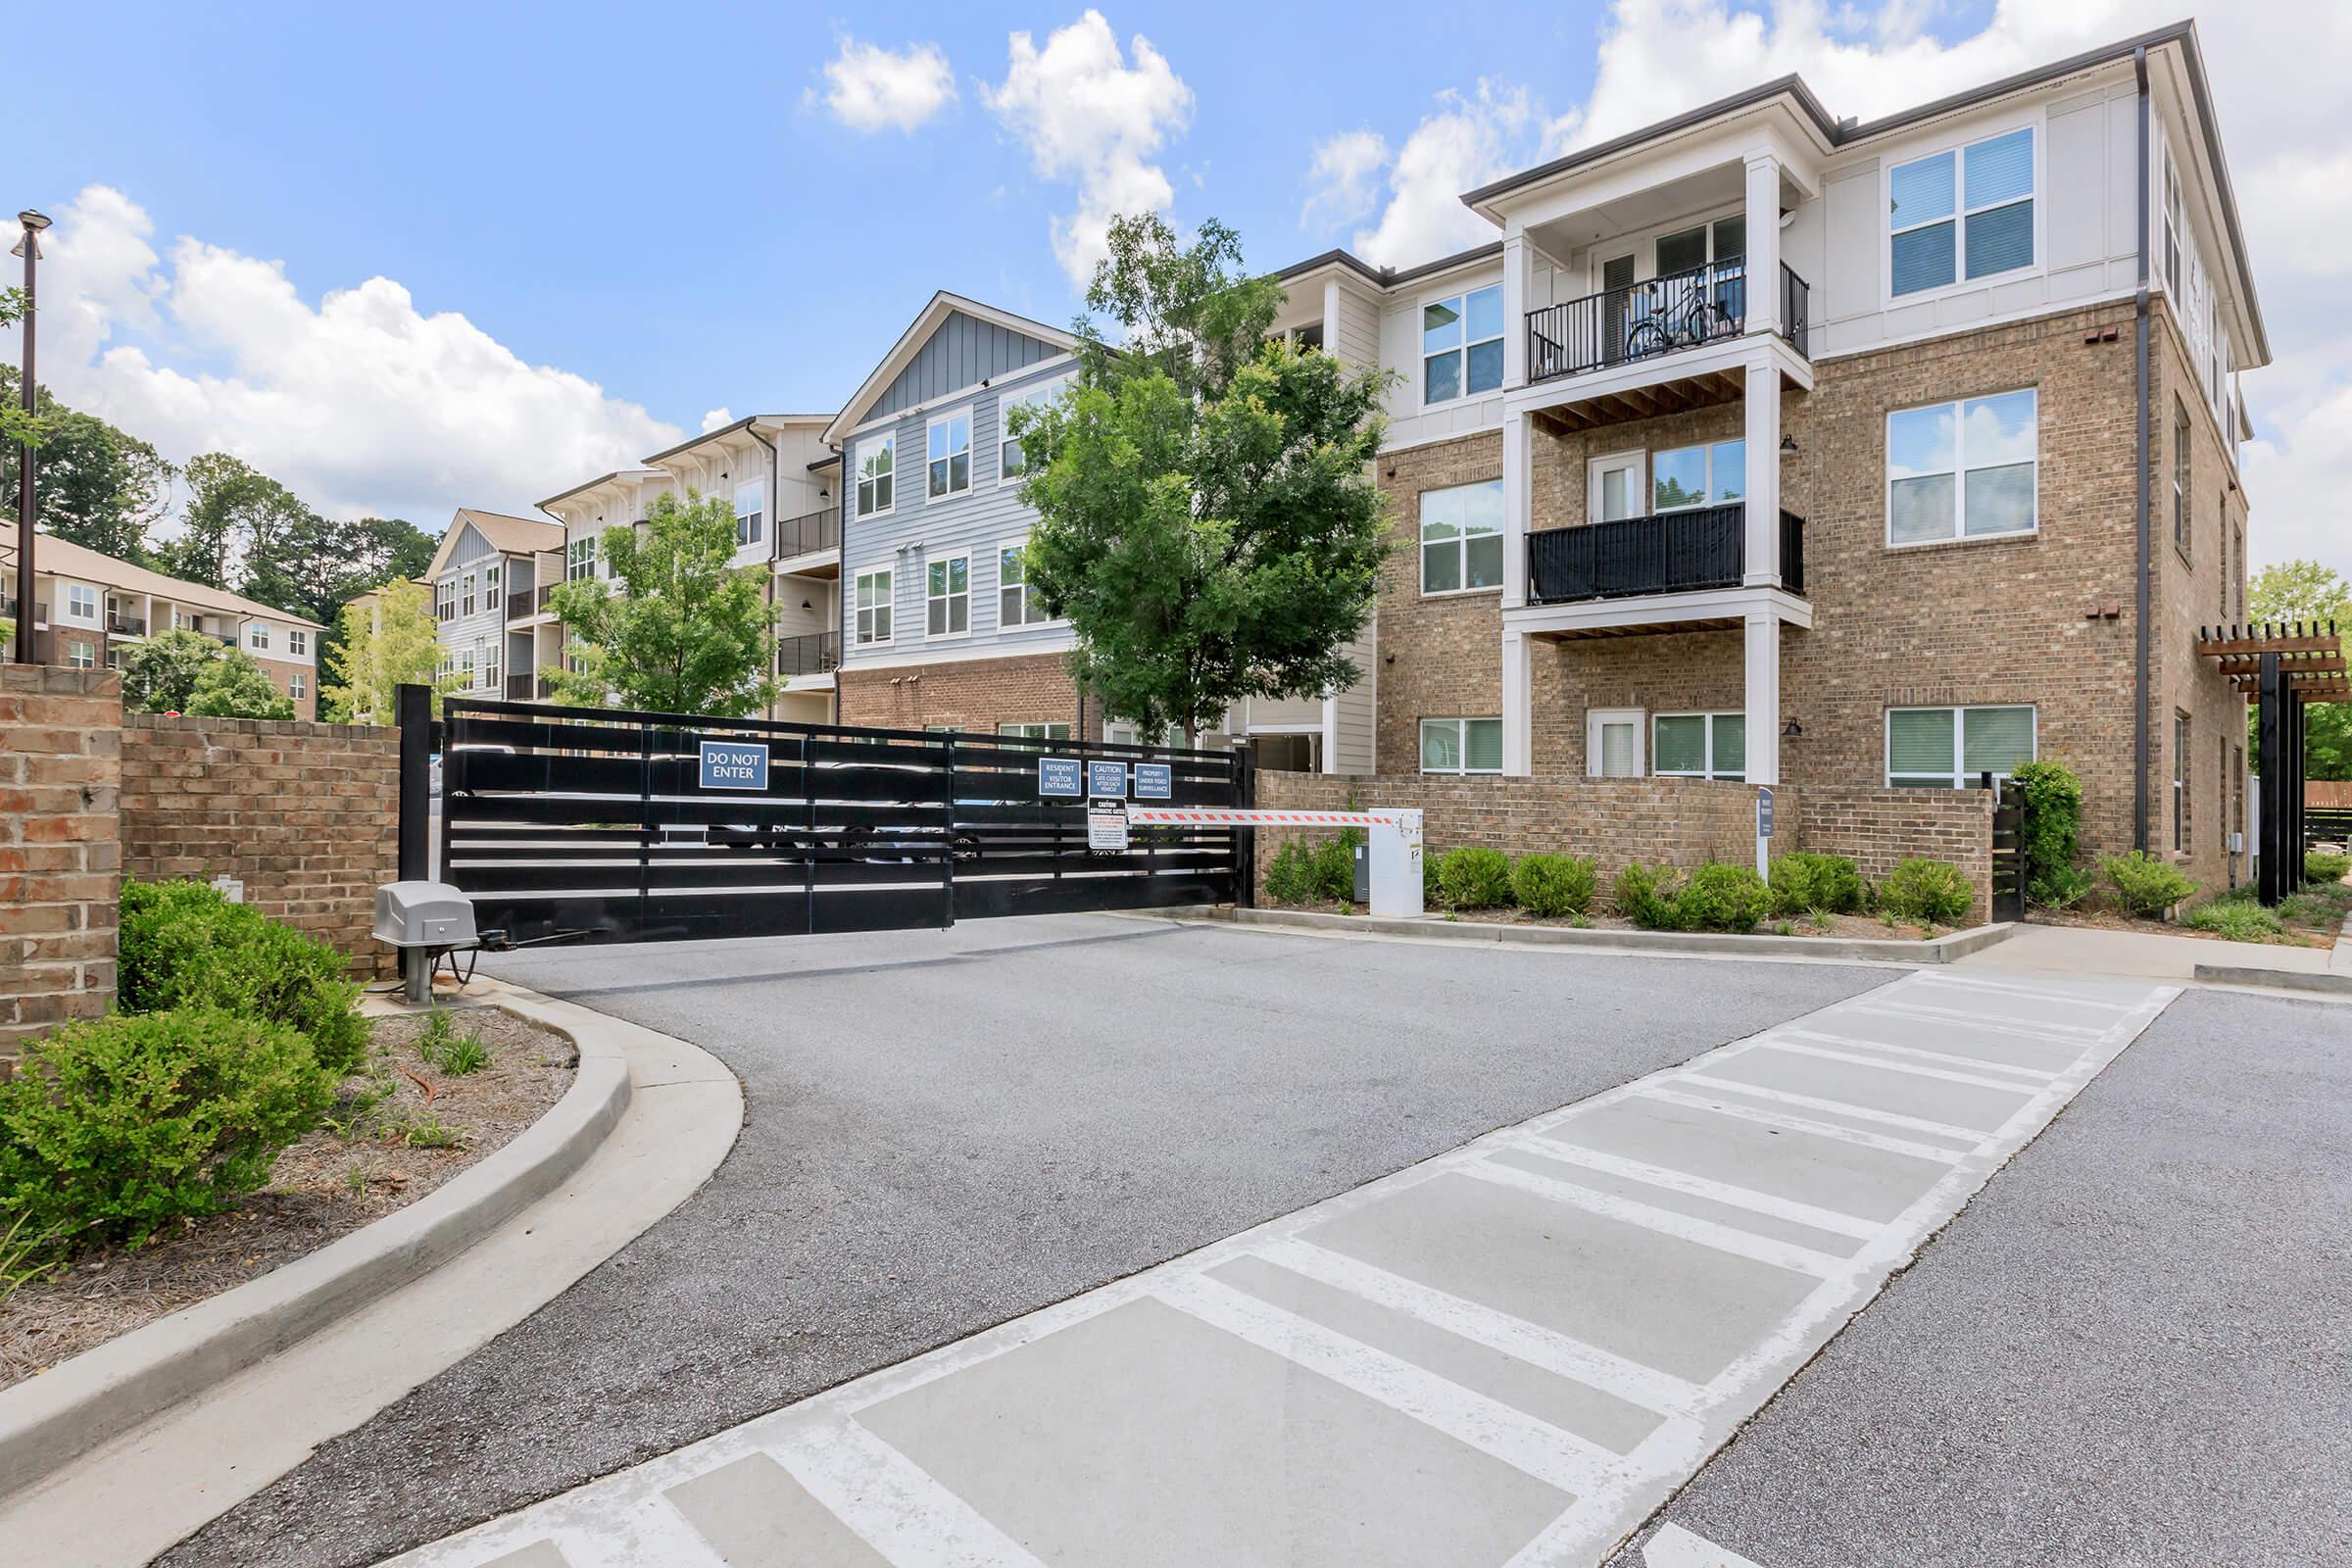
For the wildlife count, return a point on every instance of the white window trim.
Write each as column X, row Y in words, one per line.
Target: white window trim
column 969, row 457
column 859, row 481
column 1019, row 730
column 1025, row 624
column 929, row 598
column 81, row 655
column 1961, row 283
column 1595, row 467
column 1462, row 735
column 257, row 636
column 1421, row 358
column 1643, row 247
column 1707, row 770
column 295, row 687
column 1959, row 475
column 74, row 606
column 759, row 514
column 1420, row 547
column 298, row 641
column 1960, row 780
column 1595, row 718
column 1649, row 496
column 1054, row 384
column 859, row 578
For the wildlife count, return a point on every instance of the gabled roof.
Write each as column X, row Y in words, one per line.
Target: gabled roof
column 721, row 432
column 508, row 535
column 1389, row 276
column 911, row 343
column 64, row 558
column 601, row 479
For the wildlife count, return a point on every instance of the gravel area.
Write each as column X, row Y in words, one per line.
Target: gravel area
column 2133, row 1349
column 947, row 1129
column 390, row 1138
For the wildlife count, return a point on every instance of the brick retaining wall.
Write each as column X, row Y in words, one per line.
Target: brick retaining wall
column 61, row 858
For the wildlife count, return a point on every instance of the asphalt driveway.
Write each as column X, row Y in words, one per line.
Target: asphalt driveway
column 947, row 1129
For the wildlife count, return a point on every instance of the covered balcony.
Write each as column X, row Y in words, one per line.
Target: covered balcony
column 1689, row 551
column 812, row 533
column 1656, row 317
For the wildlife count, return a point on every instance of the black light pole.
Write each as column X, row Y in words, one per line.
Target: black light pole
column 29, row 247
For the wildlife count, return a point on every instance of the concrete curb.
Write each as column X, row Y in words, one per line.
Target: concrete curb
column 53, row 1418
column 1938, row 950
column 2312, row 981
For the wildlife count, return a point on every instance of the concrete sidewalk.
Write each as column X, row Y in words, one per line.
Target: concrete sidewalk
column 1509, row 1353
column 2073, row 950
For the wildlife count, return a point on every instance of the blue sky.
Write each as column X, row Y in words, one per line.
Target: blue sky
column 597, row 224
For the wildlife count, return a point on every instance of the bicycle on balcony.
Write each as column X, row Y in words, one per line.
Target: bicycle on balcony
column 1679, row 313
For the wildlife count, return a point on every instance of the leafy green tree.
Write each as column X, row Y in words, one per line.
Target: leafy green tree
column 15, row 425
column 237, row 527
column 94, row 485
column 393, row 643
column 234, row 686
column 2306, row 591
column 160, row 674
column 1207, row 516
column 689, row 633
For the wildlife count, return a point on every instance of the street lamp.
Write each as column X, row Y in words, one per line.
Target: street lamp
column 29, row 247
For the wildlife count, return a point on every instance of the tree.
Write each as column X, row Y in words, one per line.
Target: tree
column 234, row 686
column 160, row 674
column 394, row 645
column 14, row 426
column 236, row 528
column 94, row 485
column 2306, row 591
column 1207, row 516
column 689, row 634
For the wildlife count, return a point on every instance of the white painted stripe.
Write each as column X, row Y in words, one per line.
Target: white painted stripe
column 1576, row 1465
column 1953, row 982
column 1803, row 1124
column 2079, row 1035
column 1972, row 1136
column 653, row 1531
column 1677, row 1180
column 1539, row 1347
column 1665, row 1221
column 1673, row 1546
column 889, row 1501
column 1912, row 1070
column 1940, row 1058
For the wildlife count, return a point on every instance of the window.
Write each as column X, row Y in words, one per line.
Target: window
column 1966, row 213
column 114, row 655
column 2223, row 531
column 81, row 603
column 873, row 607
column 747, row 515
column 489, row 662
column 2240, row 579
column 296, row 687
column 948, row 593
column 1462, row 746
column 298, row 641
column 1962, row 471
column 1613, row 741
column 1035, row 732
column 1698, row 476
column 2179, row 781
column 874, row 477
column 465, row 596
column 1461, row 538
column 81, row 654
column 1699, row 746
column 258, row 635
column 579, row 559
column 2180, row 507
column 1951, row 748
column 1461, row 345
column 1011, row 462
column 465, row 670
column 2172, row 227
column 1015, row 605
column 1687, row 249
column 490, row 576
column 949, row 449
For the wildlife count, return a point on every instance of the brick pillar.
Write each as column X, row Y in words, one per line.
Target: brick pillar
column 61, row 848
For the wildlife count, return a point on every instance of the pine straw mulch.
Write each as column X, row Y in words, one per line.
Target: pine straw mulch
column 1846, row 927
column 364, row 1163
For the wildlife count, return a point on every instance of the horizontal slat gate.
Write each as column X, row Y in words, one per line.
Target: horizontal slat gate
column 594, row 824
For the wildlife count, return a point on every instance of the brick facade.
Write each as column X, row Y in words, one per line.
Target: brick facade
column 971, row 694
column 1441, row 655
column 60, row 856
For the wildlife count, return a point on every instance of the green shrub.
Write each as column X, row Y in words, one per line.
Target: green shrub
column 116, row 1128
column 2235, row 920
column 183, row 945
column 1291, row 874
column 1554, row 885
column 1433, row 895
column 2321, row 866
column 1645, row 895
column 2052, row 842
column 1722, row 898
column 1804, row 883
column 2148, row 885
column 1927, row 893
column 1332, row 867
column 1475, row 878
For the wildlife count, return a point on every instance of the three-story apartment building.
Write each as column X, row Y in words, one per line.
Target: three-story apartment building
column 486, row 563
column 1765, row 445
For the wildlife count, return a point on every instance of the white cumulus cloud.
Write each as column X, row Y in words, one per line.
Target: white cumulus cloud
column 1470, row 139
column 1342, row 182
column 871, row 88
column 360, row 402
column 1089, row 116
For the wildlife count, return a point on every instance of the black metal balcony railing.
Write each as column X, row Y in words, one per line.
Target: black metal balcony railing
column 1668, row 553
column 808, row 533
column 1656, row 317
column 127, row 625
column 519, row 688
column 1796, row 311
column 811, row 655
column 518, row 603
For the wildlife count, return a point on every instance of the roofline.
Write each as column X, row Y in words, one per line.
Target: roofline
column 566, row 494
column 869, row 388
column 743, row 423
column 1792, row 86
column 1390, row 276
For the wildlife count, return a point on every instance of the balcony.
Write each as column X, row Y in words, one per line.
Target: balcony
column 1667, row 553
column 1655, row 317
column 812, row 655
column 520, row 604
column 808, row 533
column 125, row 626
column 519, row 688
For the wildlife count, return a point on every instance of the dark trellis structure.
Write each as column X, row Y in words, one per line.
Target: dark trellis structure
column 2280, row 667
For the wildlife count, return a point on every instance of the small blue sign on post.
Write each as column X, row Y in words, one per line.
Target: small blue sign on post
column 1154, row 781
column 1106, row 779
column 1763, row 813
column 734, row 764
column 1057, row 776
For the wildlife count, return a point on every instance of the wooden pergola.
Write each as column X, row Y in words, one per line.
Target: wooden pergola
column 2279, row 666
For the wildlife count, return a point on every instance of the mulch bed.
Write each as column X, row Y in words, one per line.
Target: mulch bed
column 362, row 1165
column 2297, row 936
column 1846, row 927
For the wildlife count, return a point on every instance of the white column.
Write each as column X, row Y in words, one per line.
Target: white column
column 1518, row 490
column 1518, row 706
column 1516, row 276
column 1763, row 707
column 1763, row 433
column 1763, row 243
column 1331, row 317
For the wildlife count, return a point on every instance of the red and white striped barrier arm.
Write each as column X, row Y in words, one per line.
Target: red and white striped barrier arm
column 1238, row 817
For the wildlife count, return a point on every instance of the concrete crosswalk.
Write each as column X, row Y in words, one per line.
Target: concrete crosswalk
column 1507, row 1355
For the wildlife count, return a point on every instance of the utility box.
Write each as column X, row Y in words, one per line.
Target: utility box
column 1393, row 862
column 1363, row 873
column 423, row 915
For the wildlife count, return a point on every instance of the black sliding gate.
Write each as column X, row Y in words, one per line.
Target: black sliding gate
column 604, row 825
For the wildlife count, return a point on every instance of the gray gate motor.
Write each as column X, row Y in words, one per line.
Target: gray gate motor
column 424, row 920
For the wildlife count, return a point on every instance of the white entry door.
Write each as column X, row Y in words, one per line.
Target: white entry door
column 1613, row 741
column 1616, row 488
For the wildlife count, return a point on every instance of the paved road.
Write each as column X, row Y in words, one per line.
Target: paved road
column 1507, row 1355
column 947, row 1130
column 2134, row 1351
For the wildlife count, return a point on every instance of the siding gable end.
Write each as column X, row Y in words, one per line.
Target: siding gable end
column 962, row 351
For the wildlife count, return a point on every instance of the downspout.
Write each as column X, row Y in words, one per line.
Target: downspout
column 775, row 500
column 2141, row 633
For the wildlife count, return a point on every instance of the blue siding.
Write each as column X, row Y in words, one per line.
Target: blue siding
column 963, row 352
